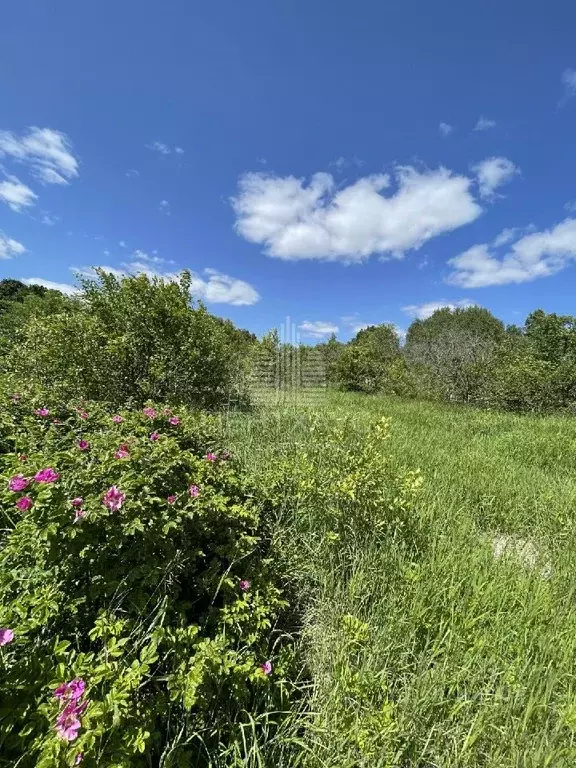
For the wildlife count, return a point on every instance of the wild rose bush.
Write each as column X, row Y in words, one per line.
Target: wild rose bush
column 138, row 612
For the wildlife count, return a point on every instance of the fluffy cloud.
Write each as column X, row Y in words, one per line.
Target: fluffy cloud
column 65, row 288
column 445, row 129
column 423, row 311
column 295, row 220
column 164, row 149
column 484, row 124
column 534, row 255
column 317, row 329
column 47, row 152
column 492, row 173
column 15, row 194
column 9, row 247
column 214, row 287
column 164, row 207
column 49, row 219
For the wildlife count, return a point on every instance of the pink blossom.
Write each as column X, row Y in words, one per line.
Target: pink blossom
column 171, row 499
column 46, row 476
column 77, row 502
column 122, row 452
column 78, row 759
column 71, row 691
column 114, row 498
column 175, row 421
column 194, row 491
column 18, row 483
column 79, row 514
column 150, row 412
column 84, row 445
column 154, row 436
column 42, row 412
column 83, row 414
column 24, row 503
column 210, row 456
column 68, row 723
column 244, row 585
column 266, row 667
column 117, row 419
column 6, row 636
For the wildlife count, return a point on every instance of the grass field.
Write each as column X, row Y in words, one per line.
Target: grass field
column 445, row 635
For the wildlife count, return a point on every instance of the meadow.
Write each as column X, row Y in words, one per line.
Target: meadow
column 449, row 640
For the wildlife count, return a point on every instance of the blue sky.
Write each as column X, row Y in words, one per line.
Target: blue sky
column 339, row 163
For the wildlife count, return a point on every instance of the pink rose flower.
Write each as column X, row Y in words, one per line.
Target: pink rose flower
column 266, row 667
column 77, row 502
column 46, row 476
column 78, row 759
column 42, row 412
column 194, row 491
column 210, row 456
column 171, row 499
column 244, row 585
column 117, row 419
column 6, row 636
column 150, row 412
column 24, row 503
column 154, row 436
column 114, row 498
column 83, row 445
column 175, row 421
column 18, row 483
column 79, row 514
column 68, row 723
column 71, row 691
column 122, row 452
column 83, row 414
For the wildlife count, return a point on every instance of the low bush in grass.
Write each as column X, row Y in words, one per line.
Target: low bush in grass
column 138, row 605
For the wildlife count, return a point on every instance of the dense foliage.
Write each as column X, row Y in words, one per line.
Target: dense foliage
column 138, row 600
column 125, row 340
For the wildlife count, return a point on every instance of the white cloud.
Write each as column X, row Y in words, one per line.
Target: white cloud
column 570, row 206
column 423, row 311
column 423, row 263
column 484, row 124
column 506, row 236
column 317, row 329
column 49, row 219
column 122, row 243
column 445, row 129
column 139, row 255
column 10, row 247
column 535, row 255
column 16, row 195
column 492, row 173
column 318, row 221
column 47, row 152
column 132, row 173
column 65, row 288
column 164, row 149
column 164, row 207
column 569, row 83
column 214, row 287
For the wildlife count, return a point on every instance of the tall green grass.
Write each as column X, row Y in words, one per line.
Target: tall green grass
column 425, row 649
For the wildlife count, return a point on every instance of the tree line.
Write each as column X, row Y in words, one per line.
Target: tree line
column 129, row 339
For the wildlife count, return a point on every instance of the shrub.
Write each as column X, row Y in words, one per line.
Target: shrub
column 138, row 603
column 131, row 339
